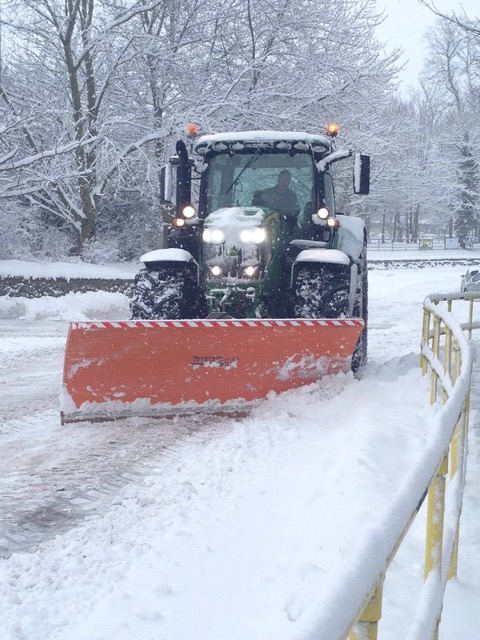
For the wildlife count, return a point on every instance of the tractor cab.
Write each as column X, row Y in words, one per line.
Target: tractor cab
column 262, row 198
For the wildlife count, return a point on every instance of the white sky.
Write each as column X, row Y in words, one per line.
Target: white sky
column 405, row 25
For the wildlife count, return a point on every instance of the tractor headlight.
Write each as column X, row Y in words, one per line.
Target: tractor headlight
column 255, row 235
column 188, row 211
column 216, row 270
column 215, row 236
column 332, row 223
column 250, row 271
column 323, row 217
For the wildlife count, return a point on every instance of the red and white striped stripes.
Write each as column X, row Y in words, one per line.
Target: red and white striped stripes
column 177, row 324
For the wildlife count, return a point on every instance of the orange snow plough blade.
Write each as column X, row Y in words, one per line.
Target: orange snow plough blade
column 157, row 368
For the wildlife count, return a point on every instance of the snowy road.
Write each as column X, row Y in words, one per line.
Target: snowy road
column 30, row 366
column 52, row 475
column 197, row 529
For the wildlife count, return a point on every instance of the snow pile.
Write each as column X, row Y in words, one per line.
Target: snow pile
column 95, row 305
column 67, row 270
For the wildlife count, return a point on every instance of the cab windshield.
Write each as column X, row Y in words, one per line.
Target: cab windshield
column 237, row 180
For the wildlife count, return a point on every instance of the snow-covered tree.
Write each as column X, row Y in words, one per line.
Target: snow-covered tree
column 466, row 213
column 65, row 142
column 94, row 94
column 452, row 73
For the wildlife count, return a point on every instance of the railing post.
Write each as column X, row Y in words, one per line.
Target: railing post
column 435, row 351
column 457, row 451
column 458, row 466
column 367, row 626
column 470, row 318
column 435, row 517
column 456, row 361
column 425, row 337
column 447, row 359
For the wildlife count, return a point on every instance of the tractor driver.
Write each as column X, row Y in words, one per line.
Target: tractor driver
column 280, row 198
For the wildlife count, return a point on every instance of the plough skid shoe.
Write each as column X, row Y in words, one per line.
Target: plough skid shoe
column 158, row 368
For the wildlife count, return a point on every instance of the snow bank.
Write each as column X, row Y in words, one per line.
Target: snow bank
column 12, row 268
column 81, row 307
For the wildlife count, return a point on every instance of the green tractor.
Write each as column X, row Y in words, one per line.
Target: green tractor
column 263, row 239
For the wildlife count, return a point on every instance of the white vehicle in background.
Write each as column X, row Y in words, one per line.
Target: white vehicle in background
column 470, row 281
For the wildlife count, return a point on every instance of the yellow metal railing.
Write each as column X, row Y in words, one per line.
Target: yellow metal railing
column 439, row 473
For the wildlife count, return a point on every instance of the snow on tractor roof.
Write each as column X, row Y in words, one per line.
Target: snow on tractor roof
column 237, row 140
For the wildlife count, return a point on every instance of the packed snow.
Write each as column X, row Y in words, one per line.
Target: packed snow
column 215, row 528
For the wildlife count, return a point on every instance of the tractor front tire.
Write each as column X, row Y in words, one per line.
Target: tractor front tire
column 165, row 293
column 317, row 295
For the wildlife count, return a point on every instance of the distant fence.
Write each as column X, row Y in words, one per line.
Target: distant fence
column 423, row 245
column 439, row 473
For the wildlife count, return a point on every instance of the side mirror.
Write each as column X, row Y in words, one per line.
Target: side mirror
column 166, row 181
column 361, row 174
column 184, row 176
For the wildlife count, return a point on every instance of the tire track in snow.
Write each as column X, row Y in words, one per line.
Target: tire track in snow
column 53, row 476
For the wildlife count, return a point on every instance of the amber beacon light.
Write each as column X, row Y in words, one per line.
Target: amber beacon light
column 192, row 129
column 332, row 129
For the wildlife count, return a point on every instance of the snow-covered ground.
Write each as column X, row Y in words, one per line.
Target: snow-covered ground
column 73, row 269
column 213, row 528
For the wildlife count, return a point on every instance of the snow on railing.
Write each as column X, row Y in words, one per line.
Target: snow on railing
column 355, row 597
column 448, row 355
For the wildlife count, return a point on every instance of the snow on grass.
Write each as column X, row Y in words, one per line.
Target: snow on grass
column 94, row 305
column 74, row 269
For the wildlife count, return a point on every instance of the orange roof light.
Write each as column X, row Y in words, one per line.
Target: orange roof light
column 332, row 129
column 192, row 130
